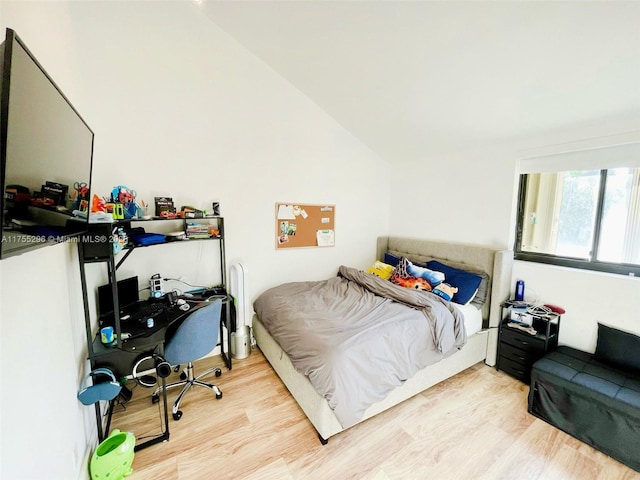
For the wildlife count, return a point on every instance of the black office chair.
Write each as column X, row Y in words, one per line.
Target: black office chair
column 194, row 338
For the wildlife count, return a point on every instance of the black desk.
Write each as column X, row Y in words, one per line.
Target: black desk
column 120, row 359
column 145, row 341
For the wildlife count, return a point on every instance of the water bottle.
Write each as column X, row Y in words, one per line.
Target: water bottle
column 520, row 290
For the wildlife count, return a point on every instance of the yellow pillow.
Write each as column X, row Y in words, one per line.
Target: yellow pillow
column 381, row 269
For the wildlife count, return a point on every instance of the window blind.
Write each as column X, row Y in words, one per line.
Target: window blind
column 615, row 156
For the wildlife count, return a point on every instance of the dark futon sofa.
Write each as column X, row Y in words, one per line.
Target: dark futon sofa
column 593, row 397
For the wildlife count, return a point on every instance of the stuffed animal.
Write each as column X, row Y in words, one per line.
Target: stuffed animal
column 445, row 291
column 414, row 283
column 434, row 278
column 381, row 269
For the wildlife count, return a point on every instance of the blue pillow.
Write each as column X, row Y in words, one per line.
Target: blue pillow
column 466, row 282
column 391, row 259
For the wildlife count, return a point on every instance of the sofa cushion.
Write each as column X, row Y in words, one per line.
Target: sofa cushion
column 618, row 348
column 587, row 374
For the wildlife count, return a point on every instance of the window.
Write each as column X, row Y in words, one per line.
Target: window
column 582, row 218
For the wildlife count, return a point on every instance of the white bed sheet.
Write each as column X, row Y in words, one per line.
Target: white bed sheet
column 472, row 317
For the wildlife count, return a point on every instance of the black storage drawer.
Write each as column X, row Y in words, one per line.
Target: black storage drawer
column 515, row 369
column 522, row 340
column 524, row 357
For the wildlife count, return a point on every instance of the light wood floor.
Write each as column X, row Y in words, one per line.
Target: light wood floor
column 472, row 426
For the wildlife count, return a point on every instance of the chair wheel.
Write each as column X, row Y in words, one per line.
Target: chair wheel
column 183, row 376
column 155, row 398
column 219, row 395
column 177, row 415
column 218, row 372
column 176, row 369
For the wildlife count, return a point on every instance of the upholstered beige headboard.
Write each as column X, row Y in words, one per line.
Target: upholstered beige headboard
column 496, row 263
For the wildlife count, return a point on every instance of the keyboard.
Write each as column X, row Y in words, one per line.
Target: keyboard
column 147, row 310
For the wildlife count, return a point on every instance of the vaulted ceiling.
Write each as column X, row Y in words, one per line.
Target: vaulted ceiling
column 416, row 78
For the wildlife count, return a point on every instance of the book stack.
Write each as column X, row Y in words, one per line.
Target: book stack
column 197, row 230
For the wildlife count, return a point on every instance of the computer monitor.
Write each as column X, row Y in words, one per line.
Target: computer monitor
column 128, row 295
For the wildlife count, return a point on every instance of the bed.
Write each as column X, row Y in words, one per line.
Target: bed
column 456, row 355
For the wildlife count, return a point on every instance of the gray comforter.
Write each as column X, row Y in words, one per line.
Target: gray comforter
column 357, row 337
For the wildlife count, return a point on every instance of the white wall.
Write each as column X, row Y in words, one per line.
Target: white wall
column 178, row 109
column 465, row 196
column 42, row 358
column 470, row 196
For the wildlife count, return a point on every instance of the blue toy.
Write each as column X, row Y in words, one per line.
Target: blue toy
column 434, row 278
column 127, row 197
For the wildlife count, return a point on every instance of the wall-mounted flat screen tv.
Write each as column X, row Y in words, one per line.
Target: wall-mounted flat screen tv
column 46, row 153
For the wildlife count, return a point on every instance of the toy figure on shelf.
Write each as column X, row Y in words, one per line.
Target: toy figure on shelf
column 115, row 209
column 126, row 197
column 122, row 194
column 97, row 204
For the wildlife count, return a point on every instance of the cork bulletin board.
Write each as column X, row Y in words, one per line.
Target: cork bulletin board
column 302, row 225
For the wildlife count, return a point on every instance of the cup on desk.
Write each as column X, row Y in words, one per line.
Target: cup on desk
column 107, row 337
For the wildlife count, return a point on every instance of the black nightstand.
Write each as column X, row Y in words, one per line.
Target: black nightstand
column 518, row 350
